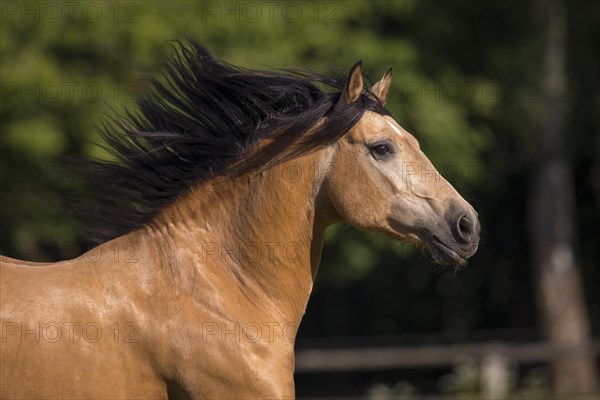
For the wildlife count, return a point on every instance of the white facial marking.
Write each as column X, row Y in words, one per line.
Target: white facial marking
column 395, row 127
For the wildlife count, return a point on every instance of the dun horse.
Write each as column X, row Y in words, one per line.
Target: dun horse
column 225, row 182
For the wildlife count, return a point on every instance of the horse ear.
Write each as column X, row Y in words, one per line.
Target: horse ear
column 353, row 87
column 381, row 88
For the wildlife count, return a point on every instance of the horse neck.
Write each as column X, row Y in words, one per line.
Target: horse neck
column 263, row 230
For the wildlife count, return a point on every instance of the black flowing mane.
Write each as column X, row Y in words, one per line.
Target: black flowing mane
column 208, row 116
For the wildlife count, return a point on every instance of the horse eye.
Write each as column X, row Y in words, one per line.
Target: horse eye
column 382, row 149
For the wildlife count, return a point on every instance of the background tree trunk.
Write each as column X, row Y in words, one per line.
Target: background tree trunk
column 552, row 217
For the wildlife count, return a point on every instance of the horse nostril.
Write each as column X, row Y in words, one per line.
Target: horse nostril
column 465, row 228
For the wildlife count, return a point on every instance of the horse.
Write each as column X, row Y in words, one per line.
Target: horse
column 213, row 223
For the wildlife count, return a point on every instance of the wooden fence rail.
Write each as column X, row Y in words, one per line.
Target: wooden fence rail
column 361, row 359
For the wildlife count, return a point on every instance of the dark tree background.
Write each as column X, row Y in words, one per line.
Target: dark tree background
column 469, row 82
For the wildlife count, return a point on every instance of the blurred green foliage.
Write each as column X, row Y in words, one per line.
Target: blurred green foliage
column 467, row 83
